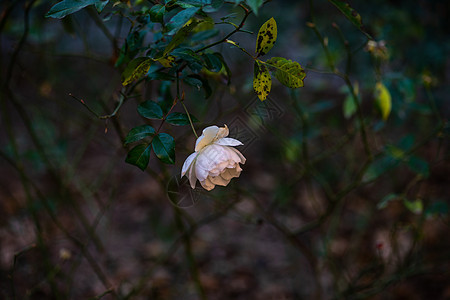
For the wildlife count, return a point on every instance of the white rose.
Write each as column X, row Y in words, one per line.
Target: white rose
column 214, row 161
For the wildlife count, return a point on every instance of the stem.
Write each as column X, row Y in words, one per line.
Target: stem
column 190, row 120
column 237, row 29
column 240, row 48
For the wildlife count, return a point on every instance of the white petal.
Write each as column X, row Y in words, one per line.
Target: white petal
column 223, row 132
column 187, row 163
column 218, row 180
column 207, row 137
column 219, row 168
column 207, row 184
column 192, row 175
column 243, row 159
column 233, row 156
column 202, row 167
column 228, row 142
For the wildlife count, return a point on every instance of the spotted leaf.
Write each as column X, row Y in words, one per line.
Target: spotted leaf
column 288, row 72
column 262, row 82
column 267, row 36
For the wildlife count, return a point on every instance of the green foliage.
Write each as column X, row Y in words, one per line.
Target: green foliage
column 177, row 118
column 351, row 14
column 164, row 147
column 419, row 166
column 150, row 110
column 255, row 5
column 157, row 13
column 139, row 156
column 139, row 133
column 67, row 7
column 180, row 19
column 180, row 36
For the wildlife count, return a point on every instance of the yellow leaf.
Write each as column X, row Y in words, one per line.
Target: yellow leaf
column 262, row 82
column 288, row 72
column 137, row 68
column 167, row 61
column 383, row 100
column 267, row 36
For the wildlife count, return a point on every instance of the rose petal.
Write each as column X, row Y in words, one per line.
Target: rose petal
column 207, row 137
column 223, row 132
column 226, row 174
column 207, row 184
column 243, row 159
column 228, row 142
column 192, row 175
column 202, row 166
column 218, row 180
column 187, row 163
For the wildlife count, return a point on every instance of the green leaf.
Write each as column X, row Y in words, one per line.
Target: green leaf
column 415, row 206
column 351, row 14
column 181, row 119
column 385, row 201
column 180, row 19
column 204, row 35
column 131, row 47
column 420, row 166
column 139, row 156
column 255, row 5
column 197, row 81
column 227, row 69
column 378, row 168
column 164, row 147
column 193, row 59
column 158, row 75
column 137, row 68
column 349, row 107
column 138, row 133
column 100, row 5
column 195, row 2
column 67, row 7
column 383, row 100
column 193, row 81
column 213, row 63
column 395, row 152
column 289, row 73
column 180, row 36
column 267, row 36
column 150, row 110
column 157, row 13
column 262, row 82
